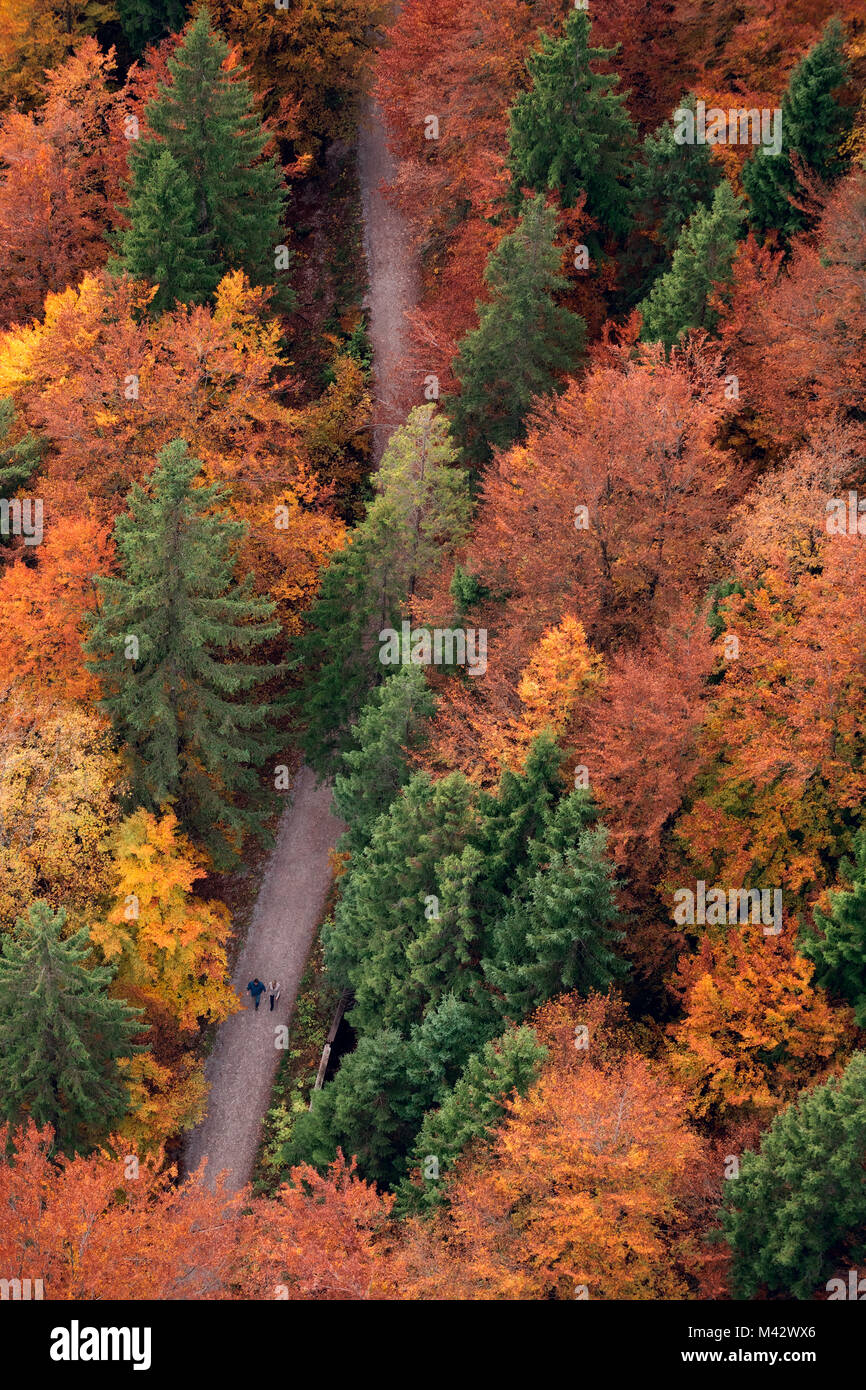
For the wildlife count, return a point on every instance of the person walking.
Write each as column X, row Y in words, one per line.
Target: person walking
column 274, row 992
column 256, row 989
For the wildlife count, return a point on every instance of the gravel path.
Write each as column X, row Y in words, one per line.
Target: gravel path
column 393, row 280
column 240, row 1070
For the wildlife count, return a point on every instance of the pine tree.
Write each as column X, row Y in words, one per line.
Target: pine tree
column 571, row 129
column 558, row 931
column 422, row 508
column 838, row 948
column 522, row 341
column 161, row 244
column 165, row 643
column 375, row 770
column 471, row 1110
column 513, row 816
column 371, row 1110
column 207, row 119
column 60, row 1033
column 670, row 184
column 813, row 127
column 681, row 299
column 798, row 1206
column 404, row 928
column 375, row 1103
column 147, row 21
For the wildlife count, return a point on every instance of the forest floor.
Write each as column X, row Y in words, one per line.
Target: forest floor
column 241, row 1067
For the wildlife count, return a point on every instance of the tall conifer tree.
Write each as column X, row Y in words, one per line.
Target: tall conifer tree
column 813, row 125
column 571, row 130
column 523, row 339
column 681, row 299
column 162, row 245
column 166, row 641
column 206, row 117
column 61, row 1034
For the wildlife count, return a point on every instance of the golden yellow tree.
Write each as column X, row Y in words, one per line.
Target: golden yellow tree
column 171, row 943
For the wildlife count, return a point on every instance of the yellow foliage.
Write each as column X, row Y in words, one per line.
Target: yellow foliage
column 171, row 944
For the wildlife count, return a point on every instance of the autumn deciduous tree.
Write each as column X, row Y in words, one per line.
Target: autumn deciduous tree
column 59, row 780
column 211, row 376
column 68, row 1222
column 170, row 943
column 62, row 168
column 797, row 334
column 755, row 1029
column 782, row 780
column 38, row 34
column 324, row 1236
column 317, row 54
column 620, row 479
column 562, row 1201
column 44, row 604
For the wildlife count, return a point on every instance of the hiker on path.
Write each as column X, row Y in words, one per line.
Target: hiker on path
column 256, row 989
column 274, row 992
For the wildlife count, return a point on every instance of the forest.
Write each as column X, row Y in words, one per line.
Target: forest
column 433, row 579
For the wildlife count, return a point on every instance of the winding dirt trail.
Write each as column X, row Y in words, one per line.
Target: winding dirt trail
column 240, row 1070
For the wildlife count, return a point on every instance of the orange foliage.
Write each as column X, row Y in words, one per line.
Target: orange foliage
column 581, row 1188
column 62, row 172
column 44, row 596
column 755, row 1031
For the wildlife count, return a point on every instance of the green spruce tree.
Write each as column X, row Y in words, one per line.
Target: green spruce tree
column 571, row 130
column 523, row 339
column 470, row 1112
column 680, row 300
column 161, row 244
column 374, row 771
column 421, row 508
column 403, row 931
column 370, row 1110
column 558, row 931
column 61, row 1035
column 671, row 182
column 207, row 118
column 148, row 21
column 838, row 947
column 166, row 642
column 813, row 126
column 798, row 1207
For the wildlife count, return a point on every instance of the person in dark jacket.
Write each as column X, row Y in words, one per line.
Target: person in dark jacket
column 256, row 989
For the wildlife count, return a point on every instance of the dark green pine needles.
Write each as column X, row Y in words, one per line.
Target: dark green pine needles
column 571, row 131
column 60, row 1033
column 166, row 643
column 218, row 205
